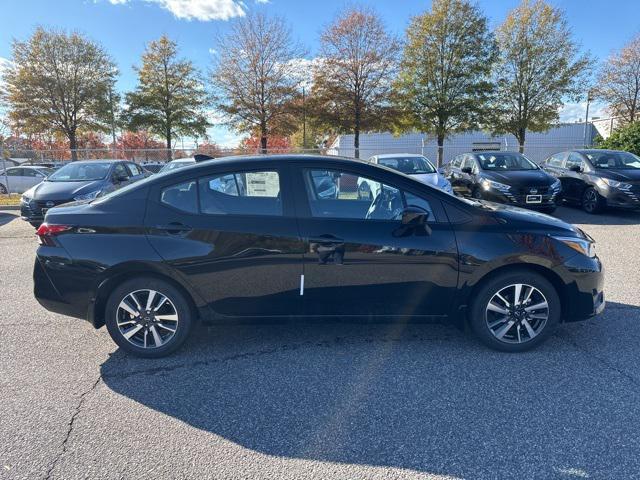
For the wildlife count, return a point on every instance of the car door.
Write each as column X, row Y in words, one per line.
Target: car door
column 574, row 182
column 233, row 237
column 31, row 177
column 358, row 259
column 13, row 177
column 468, row 172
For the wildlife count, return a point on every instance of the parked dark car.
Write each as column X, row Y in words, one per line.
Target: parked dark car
column 504, row 177
column 251, row 238
column 596, row 179
column 77, row 181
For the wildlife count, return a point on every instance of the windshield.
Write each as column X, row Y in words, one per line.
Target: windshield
column 80, row 172
column 614, row 160
column 408, row 165
column 505, row 161
column 173, row 165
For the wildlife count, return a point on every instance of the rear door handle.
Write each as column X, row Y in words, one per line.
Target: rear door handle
column 175, row 228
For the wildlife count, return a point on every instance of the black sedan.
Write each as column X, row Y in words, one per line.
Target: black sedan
column 596, row 179
column 504, row 177
column 77, row 181
column 254, row 238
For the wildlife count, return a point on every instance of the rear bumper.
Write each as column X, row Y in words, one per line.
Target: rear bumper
column 45, row 271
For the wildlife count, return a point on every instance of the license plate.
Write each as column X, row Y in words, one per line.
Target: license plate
column 534, row 198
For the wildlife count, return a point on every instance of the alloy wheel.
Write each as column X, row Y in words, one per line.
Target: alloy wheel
column 590, row 200
column 147, row 318
column 517, row 313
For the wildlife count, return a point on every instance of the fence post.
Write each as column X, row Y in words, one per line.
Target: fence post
column 4, row 166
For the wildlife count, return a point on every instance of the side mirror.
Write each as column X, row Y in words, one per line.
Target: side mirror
column 467, row 170
column 120, row 178
column 576, row 168
column 414, row 217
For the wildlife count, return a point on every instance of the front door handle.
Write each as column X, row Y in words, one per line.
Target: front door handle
column 175, row 228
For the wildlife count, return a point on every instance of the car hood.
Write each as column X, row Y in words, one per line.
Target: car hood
column 619, row 175
column 59, row 191
column 434, row 179
column 530, row 219
column 520, row 178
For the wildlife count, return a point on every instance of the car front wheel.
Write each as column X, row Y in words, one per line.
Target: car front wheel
column 515, row 311
column 148, row 317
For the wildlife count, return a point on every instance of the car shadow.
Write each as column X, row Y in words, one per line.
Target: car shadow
column 7, row 217
column 428, row 398
column 610, row 216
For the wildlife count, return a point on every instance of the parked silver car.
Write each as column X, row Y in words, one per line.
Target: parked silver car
column 418, row 166
column 21, row 179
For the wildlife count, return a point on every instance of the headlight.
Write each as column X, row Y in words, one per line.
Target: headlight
column 616, row 184
column 580, row 245
column 489, row 184
column 556, row 185
column 87, row 196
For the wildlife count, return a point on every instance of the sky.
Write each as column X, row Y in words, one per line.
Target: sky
column 124, row 27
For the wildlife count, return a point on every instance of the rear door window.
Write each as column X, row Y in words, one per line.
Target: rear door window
column 556, row 160
column 241, row 193
column 183, row 196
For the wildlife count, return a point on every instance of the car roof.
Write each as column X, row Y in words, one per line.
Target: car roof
column 396, row 155
column 97, row 160
column 597, row 150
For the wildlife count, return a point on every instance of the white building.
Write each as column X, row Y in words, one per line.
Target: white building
column 538, row 145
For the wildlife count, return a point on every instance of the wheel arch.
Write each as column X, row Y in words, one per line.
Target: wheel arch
column 547, row 273
column 127, row 272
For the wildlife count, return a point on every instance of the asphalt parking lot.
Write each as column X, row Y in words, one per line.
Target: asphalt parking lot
column 322, row 401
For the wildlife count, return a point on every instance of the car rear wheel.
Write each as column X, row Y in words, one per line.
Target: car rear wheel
column 3, row 189
column 148, row 317
column 592, row 201
column 515, row 311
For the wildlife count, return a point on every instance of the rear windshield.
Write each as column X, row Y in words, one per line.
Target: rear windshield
column 614, row 160
column 80, row 172
column 408, row 165
column 505, row 161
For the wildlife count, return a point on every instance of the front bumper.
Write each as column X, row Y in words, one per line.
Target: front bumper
column 584, row 287
column 624, row 199
column 518, row 199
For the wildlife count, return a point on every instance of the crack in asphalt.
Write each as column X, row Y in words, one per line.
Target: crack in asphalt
column 568, row 338
column 268, row 351
column 70, row 425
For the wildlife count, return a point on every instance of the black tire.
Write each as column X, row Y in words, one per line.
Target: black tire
column 3, row 189
column 478, row 312
column 35, row 225
column 592, row 202
column 176, row 300
column 477, row 193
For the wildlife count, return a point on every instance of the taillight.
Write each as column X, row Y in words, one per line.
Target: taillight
column 45, row 233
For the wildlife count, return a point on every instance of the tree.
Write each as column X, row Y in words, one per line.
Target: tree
column 170, row 98
column 443, row 83
column 59, row 83
column 277, row 143
column 619, row 81
column 539, row 66
column 255, row 77
column 351, row 89
column 625, row 138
